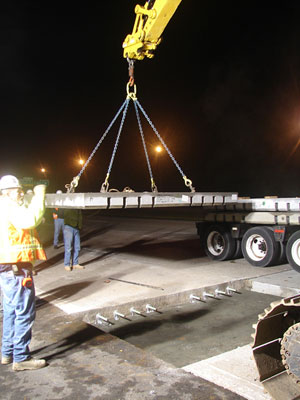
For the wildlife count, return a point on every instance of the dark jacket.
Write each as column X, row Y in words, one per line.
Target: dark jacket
column 73, row 218
column 59, row 212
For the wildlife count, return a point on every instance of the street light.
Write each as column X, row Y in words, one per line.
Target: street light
column 44, row 173
column 81, row 161
column 158, row 149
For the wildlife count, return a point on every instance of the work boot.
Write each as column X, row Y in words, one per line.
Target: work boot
column 67, row 268
column 78, row 266
column 31, row 363
column 6, row 360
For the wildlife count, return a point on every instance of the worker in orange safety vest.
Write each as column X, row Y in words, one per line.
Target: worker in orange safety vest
column 19, row 248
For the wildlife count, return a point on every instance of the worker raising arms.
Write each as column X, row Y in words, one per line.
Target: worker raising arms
column 19, row 248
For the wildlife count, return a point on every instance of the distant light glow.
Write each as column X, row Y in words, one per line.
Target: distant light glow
column 43, row 170
column 158, row 149
column 81, row 161
column 293, row 151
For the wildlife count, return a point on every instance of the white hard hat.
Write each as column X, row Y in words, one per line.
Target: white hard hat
column 58, row 192
column 9, row 182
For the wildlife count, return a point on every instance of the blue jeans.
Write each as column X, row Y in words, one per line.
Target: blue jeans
column 18, row 315
column 58, row 226
column 72, row 242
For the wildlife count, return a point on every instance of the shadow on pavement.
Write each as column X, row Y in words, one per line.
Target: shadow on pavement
column 176, row 251
column 65, row 291
column 64, row 346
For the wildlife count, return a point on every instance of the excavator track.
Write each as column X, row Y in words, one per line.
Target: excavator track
column 276, row 348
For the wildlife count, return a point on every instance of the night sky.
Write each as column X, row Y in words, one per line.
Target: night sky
column 222, row 90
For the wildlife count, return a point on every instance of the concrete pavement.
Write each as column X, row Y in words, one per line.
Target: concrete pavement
column 151, row 259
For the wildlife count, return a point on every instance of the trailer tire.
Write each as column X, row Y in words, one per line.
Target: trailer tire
column 238, row 251
column 282, row 257
column 259, row 247
column 218, row 243
column 293, row 251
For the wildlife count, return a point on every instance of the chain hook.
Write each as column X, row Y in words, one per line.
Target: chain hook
column 71, row 186
column 189, row 183
column 131, row 95
column 105, row 185
column 153, row 186
column 130, row 71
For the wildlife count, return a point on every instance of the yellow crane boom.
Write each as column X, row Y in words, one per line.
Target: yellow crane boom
column 150, row 22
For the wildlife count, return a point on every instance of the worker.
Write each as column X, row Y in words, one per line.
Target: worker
column 19, row 248
column 73, row 224
column 58, row 217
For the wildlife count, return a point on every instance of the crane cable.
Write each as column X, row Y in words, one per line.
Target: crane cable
column 131, row 95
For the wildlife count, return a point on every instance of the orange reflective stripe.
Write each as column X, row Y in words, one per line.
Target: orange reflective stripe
column 55, row 216
column 24, row 245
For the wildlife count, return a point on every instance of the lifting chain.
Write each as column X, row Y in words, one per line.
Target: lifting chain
column 153, row 186
column 71, row 186
column 105, row 184
column 131, row 95
column 187, row 181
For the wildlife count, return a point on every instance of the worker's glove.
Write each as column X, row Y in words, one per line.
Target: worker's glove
column 39, row 190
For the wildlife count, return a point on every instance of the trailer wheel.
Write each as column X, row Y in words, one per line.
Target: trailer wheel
column 259, row 247
column 293, row 251
column 218, row 243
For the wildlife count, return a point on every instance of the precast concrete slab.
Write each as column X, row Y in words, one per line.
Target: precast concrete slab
column 111, row 200
column 129, row 199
